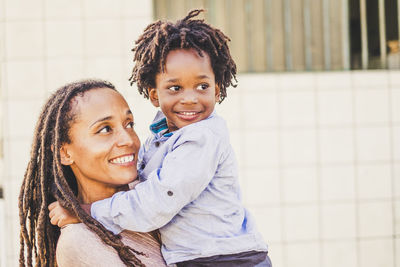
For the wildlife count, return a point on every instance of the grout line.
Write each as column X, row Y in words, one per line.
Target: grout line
column 355, row 147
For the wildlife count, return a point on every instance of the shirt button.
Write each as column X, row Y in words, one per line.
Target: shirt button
column 157, row 144
column 170, row 193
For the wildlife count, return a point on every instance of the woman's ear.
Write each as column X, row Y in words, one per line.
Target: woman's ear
column 66, row 158
column 154, row 97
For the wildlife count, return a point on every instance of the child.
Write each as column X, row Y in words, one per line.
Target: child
column 189, row 179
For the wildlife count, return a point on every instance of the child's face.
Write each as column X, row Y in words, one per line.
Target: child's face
column 104, row 146
column 186, row 90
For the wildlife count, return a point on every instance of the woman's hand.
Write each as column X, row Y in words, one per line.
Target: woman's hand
column 60, row 216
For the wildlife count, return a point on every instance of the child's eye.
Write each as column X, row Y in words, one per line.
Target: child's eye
column 105, row 129
column 130, row 124
column 174, row 88
column 202, row 86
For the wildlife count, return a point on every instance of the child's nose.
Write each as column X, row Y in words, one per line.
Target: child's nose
column 189, row 97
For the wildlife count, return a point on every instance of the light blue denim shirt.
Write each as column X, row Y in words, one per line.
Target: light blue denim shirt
column 189, row 190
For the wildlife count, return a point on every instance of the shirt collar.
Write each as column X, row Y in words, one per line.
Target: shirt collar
column 159, row 125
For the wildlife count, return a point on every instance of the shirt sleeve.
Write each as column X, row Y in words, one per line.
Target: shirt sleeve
column 185, row 173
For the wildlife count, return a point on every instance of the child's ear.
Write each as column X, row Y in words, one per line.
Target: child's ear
column 65, row 156
column 217, row 93
column 154, row 97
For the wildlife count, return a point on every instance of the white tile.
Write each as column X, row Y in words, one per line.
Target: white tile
column 230, row 110
column 300, row 185
column 370, row 79
column 109, row 69
column 63, row 9
column 301, row 223
column 297, row 81
column 394, row 78
column 395, row 98
column 25, row 79
column 371, row 106
column 337, row 183
column 62, row 71
column 396, row 142
column 23, row 9
column 396, row 179
column 19, row 34
column 22, row 117
column 258, row 82
column 275, row 254
column 375, row 219
column 335, row 107
column 333, row 80
column 261, row 186
column 303, row 254
column 261, row 148
column 19, row 156
column 103, row 38
column 373, row 144
column 339, row 254
column 102, row 9
column 297, row 108
column 336, row 145
column 376, row 253
column 374, row 181
column 260, row 110
column 338, row 221
column 397, row 251
column 396, row 205
column 268, row 221
column 298, row 146
column 2, row 38
column 137, row 8
column 64, row 39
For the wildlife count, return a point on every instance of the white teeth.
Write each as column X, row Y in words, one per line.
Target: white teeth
column 124, row 159
column 188, row 113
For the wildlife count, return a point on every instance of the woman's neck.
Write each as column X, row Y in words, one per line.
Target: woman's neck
column 90, row 192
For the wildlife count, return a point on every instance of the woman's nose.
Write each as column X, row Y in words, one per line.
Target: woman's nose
column 125, row 138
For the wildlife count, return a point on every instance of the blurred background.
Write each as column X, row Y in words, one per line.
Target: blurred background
column 315, row 119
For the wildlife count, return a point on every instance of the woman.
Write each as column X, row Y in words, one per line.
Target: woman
column 84, row 149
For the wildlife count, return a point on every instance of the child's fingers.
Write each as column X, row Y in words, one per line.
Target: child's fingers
column 53, row 205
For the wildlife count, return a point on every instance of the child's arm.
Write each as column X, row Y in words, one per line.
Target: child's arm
column 60, row 216
column 186, row 171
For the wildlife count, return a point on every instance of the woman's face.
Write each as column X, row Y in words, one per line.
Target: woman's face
column 104, row 146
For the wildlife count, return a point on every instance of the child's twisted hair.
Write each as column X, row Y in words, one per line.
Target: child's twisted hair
column 159, row 38
column 47, row 180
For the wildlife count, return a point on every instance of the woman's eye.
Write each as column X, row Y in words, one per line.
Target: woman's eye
column 202, row 86
column 130, row 124
column 174, row 88
column 105, row 129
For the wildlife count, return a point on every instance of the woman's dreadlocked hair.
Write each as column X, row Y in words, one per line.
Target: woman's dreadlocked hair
column 159, row 38
column 47, row 180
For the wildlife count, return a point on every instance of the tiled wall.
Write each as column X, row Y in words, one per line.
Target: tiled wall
column 319, row 153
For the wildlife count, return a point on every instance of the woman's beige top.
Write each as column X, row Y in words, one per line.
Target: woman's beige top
column 78, row 246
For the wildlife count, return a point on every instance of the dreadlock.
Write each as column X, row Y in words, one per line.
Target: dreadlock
column 159, row 38
column 47, row 180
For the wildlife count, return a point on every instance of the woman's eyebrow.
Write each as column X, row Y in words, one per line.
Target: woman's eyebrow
column 102, row 119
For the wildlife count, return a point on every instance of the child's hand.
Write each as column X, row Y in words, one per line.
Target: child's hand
column 60, row 216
